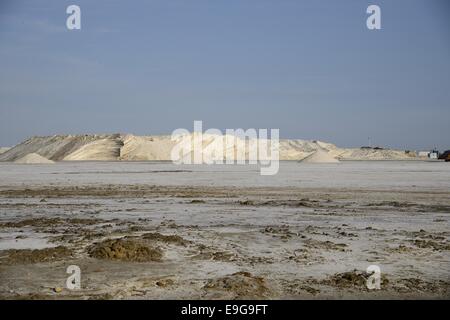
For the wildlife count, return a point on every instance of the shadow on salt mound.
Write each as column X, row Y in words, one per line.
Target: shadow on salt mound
column 33, row 158
column 320, row 156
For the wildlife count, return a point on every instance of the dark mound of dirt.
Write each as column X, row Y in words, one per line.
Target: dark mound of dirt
column 347, row 279
column 25, row 256
column 437, row 246
column 33, row 222
column 415, row 284
column 210, row 254
column 326, row 245
column 240, row 285
column 48, row 222
column 352, row 279
column 197, row 201
column 395, row 204
column 164, row 238
column 124, row 250
column 246, row 203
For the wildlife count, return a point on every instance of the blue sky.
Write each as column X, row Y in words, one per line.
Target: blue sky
column 310, row 68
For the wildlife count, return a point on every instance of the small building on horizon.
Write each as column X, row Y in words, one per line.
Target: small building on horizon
column 433, row 154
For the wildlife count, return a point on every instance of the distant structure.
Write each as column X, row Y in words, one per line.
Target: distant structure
column 433, row 154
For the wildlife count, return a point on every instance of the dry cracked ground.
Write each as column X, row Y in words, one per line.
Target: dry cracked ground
column 174, row 242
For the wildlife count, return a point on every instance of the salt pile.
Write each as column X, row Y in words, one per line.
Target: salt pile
column 33, row 158
column 320, row 156
column 126, row 147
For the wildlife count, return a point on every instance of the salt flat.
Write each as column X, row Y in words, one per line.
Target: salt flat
column 410, row 175
column 157, row 230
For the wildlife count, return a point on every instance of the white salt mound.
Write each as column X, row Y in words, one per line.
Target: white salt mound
column 125, row 147
column 320, row 156
column 33, row 158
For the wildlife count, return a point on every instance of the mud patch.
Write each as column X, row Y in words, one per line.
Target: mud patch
column 281, row 232
column 430, row 244
column 395, row 204
column 434, row 208
column 174, row 239
column 26, row 256
column 196, row 201
column 246, row 203
column 296, row 287
column 415, row 284
column 164, row 283
column 326, row 245
column 354, row 279
column 305, row 203
column 238, row 286
column 36, row 222
column 48, row 222
column 401, row 249
column 124, row 250
column 209, row 253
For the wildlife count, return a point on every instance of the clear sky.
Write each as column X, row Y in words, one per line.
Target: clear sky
column 310, row 68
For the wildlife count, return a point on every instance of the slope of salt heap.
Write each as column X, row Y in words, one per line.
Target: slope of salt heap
column 98, row 150
column 123, row 147
column 320, row 156
column 33, row 158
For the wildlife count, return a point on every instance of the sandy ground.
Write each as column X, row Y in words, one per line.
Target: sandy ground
column 160, row 231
